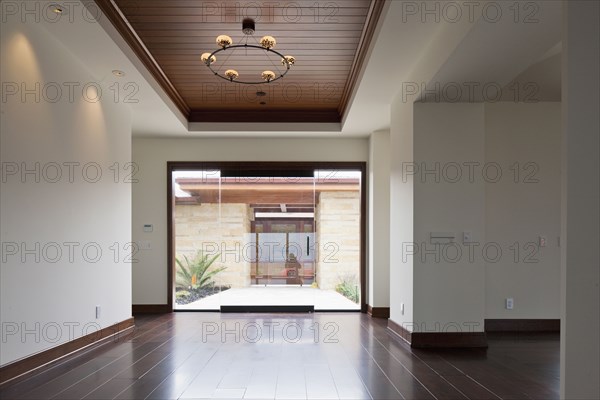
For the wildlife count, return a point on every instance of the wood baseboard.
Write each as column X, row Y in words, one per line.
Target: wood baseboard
column 25, row 367
column 399, row 330
column 522, row 325
column 446, row 340
column 378, row 312
column 151, row 309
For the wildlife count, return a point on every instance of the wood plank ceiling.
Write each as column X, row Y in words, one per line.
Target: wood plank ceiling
column 328, row 39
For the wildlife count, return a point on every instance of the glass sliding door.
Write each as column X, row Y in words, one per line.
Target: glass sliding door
column 201, row 272
column 283, row 231
column 254, row 238
column 338, row 234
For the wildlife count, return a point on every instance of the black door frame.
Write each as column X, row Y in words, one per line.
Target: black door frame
column 258, row 168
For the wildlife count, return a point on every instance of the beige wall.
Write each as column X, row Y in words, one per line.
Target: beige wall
column 150, row 191
column 338, row 237
column 216, row 229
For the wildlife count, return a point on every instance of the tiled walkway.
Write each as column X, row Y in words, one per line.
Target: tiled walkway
column 274, row 295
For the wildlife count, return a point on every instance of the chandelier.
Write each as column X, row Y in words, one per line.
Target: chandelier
column 263, row 46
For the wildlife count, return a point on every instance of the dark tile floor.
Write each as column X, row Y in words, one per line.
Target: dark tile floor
column 303, row 356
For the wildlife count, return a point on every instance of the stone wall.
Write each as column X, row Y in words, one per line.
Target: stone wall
column 198, row 227
column 337, row 217
column 338, row 236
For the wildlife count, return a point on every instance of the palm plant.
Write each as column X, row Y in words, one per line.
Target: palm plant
column 194, row 274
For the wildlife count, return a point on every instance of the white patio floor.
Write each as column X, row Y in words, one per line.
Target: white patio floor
column 274, row 296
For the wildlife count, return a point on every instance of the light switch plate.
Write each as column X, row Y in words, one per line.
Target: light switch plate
column 442, row 237
column 510, row 303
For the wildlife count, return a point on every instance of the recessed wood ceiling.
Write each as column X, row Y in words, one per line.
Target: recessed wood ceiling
column 329, row 40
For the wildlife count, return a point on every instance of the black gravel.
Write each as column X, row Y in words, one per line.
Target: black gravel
column 200, row 293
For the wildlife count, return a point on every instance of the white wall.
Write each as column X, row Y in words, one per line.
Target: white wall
column 150, row 193
column 379, row 219
column 521, row 207
column 448, row 287
column 50, row 292
column 464, row 290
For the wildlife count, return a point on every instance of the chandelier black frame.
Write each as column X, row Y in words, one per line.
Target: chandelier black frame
column 266, row 44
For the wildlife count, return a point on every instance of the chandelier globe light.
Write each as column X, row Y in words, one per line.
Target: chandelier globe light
column 263, row 48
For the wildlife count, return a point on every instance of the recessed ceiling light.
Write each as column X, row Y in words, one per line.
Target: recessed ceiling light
column 118, row 73
column 57, row 8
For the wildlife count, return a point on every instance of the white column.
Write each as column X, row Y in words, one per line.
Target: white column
column 580, row 274
column 401, row 213
column 379, row 219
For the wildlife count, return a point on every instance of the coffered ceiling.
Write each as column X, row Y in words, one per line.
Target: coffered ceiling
column 328, row 39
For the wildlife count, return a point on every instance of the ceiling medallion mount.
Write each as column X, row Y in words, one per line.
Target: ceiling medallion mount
column 265, row 46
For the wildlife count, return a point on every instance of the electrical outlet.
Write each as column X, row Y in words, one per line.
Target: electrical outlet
column 402, row 308
column 510, row 303
column 467, row 237
column 97, row 312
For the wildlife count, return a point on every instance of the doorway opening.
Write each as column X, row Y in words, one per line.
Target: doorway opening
column 259, row 235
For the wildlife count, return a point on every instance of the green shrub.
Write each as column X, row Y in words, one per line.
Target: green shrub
column 348, row 287
column 194, row 274
column 181, row 294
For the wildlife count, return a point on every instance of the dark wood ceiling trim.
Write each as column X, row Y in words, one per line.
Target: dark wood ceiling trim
column 375, row 11
column 114, row 15
column 266, row 115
